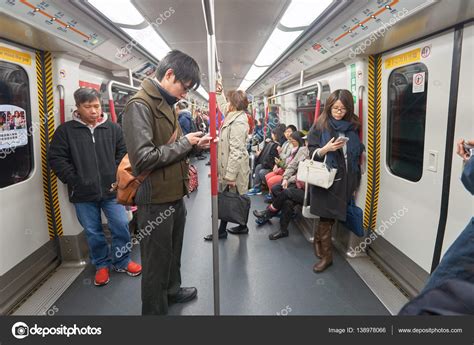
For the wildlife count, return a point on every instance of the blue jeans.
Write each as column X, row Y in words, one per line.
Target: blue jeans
column 88, row 214
column 458, row 262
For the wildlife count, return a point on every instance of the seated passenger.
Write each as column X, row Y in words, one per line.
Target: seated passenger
column 295, row 142
column 85, row 153
column 286, row 147
column 288, row 194
column 265, row 161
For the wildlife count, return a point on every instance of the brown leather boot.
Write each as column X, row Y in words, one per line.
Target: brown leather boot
column 325, row 232
column 317, row 243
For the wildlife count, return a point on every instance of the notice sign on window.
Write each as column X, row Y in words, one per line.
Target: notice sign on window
column 13, row 131
column 418, row 82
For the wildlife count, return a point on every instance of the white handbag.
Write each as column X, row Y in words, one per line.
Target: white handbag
column 316, row 173
column 306, row 209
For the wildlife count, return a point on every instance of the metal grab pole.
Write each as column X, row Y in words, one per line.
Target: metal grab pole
column 318, row 101
column 265, row 104
column 208, row 8
column 361, row 117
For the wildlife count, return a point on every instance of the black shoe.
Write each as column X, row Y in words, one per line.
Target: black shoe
column 264, row 215
column 184, row 295
column 259, row 214
column 221, row 236
column 278, row 234
column 239, row 229
column 208, row 163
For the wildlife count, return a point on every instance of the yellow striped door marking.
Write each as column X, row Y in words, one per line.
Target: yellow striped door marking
column 46, row 114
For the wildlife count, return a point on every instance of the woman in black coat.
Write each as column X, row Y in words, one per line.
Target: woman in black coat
column 337, row 120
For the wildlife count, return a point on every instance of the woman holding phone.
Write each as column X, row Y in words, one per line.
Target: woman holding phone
column 334, row 137
column 233, row 163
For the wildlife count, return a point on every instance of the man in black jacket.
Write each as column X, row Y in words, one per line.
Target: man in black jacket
column 84, row 154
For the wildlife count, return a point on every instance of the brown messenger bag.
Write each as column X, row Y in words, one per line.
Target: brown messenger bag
column 127, row 184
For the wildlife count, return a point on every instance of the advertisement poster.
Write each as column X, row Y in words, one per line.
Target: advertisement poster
column 13, row 130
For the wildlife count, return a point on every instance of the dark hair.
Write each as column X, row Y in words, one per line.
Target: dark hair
column 345, row 96
column 279, row 133
column 184, row 67
column 292, row 127
column 238, row 99
column 85, row 95
column 182, row 105
column 296, row 135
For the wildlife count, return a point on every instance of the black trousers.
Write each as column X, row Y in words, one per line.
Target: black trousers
column 285, row 201
column 160, row 232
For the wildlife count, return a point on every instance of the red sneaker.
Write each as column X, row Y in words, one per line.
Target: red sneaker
column 101, row 276
column 133, row 269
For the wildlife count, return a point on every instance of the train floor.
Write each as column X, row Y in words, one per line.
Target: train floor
column 257, row 276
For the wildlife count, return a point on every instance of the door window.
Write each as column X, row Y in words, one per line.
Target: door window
column 16, row 142
column 407, row 96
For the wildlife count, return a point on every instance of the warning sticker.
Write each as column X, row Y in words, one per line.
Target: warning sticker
column 418, row 82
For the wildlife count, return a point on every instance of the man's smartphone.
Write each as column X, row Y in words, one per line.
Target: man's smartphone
column 469, row 149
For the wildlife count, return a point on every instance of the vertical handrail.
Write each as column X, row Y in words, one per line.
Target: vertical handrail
column 62, row 108
column 317, row 109
column 265, row 104
column 361, row 117
column 208, row 9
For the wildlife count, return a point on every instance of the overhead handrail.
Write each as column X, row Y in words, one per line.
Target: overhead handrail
column 300, row 89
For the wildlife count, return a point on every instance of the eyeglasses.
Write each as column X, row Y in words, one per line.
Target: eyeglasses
column 185, row 88
column 339, row 110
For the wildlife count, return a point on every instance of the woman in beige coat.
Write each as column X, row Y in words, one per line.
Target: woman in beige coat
column 232, row 155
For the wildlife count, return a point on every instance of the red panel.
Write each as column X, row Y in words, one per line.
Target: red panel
column 89, row 85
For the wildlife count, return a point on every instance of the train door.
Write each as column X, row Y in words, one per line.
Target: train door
column 27, row 248
column 461, row 202
column 415, row 89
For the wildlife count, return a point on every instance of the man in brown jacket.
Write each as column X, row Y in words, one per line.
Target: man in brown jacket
column 155, row 143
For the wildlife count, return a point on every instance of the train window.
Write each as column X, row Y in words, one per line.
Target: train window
column 305, row 106
column 406, row 121
column 16, row 144
column 120, row 97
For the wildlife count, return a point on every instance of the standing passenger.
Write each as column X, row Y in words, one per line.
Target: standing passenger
column 185, row 119
column 155, row 143
column 85, row 153
column 233, row 162
column 337, row 119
